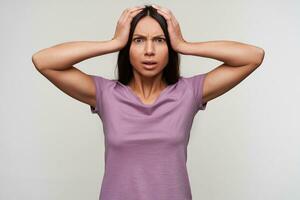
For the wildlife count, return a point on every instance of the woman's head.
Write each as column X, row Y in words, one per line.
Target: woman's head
column 148, row 41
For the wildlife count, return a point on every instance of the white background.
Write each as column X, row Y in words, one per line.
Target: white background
column 244, row 146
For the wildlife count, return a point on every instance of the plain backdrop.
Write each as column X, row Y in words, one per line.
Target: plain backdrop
column 244, row 146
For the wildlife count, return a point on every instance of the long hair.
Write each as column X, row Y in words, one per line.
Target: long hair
column 171, row 72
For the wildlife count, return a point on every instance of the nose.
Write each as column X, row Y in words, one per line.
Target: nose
column 149, row 48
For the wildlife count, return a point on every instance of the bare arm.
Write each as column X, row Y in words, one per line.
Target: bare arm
column 240, row 60
column 63, row 56
column 232, row 53
column 56, row 64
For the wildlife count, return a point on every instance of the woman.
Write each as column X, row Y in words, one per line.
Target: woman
column 148, row 112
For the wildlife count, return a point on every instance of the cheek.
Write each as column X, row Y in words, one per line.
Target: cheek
column 135, row 52
column 133, row 55
column 164, row 54
column 163, row 50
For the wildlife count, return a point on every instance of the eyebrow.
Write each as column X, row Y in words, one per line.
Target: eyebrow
column 145, row 36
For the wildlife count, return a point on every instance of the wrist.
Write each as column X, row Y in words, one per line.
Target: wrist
column 116, row 43
column 183, row 48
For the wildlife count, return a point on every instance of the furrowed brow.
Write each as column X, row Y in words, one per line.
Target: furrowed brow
column 145, row 36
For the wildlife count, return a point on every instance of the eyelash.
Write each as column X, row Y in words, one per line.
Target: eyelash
column 156, row 39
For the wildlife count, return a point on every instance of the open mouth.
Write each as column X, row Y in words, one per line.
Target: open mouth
column 149, row 63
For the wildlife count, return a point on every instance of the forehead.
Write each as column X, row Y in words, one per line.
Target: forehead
column 148, row 26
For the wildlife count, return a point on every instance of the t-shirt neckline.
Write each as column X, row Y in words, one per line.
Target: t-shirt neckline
column 139, row 101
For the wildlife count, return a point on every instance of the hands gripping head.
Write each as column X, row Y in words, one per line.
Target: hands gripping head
column 129, row 19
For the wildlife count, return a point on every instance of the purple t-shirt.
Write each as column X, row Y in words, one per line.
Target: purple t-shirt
column 146, row 145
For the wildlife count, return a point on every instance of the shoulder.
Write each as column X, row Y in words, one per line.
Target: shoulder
column 102, row 81
column 100, row 78
column 194, row 81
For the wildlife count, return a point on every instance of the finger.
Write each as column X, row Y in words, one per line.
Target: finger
column 167, row 11
column 162, row 8
column 168, row 16
column 133, row 11
column 124, row 17
column 128, row 10
column 156, row 6
column 129, row 15
column 165, row 15
column 134, row 8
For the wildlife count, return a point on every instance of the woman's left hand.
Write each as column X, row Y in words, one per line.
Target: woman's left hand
column 176, row 38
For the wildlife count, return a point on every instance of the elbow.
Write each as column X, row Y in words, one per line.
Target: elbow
column 34, row 61
column 259, row 57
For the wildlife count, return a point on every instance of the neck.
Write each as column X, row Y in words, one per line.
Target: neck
column 146, row 86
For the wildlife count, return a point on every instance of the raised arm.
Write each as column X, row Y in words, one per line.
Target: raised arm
column 63, row 56
column 239, row 61
column 56, row 64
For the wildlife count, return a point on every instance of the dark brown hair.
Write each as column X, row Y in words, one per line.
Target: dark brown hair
column 171, row 72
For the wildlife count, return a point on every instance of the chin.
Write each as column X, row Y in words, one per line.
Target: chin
column 151, row 73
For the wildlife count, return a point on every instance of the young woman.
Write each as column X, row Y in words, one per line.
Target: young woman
column 147, row 113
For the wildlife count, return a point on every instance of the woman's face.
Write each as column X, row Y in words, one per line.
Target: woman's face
column 148, row 44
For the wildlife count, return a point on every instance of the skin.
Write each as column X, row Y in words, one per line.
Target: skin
column 56, row 63
column 148, row 43
column 239, row 59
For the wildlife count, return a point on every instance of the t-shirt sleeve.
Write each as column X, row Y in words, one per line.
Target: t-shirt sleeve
column 100, row 83
column 196, row 84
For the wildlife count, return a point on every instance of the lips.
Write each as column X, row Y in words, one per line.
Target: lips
column 149, row 62
column 149, row 65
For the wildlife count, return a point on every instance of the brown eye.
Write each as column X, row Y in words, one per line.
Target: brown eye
column 136, row 40
column 161, row 40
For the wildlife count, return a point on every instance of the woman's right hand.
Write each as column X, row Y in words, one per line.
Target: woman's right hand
column 123, row 26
